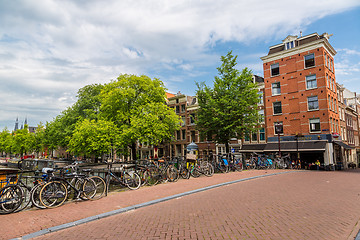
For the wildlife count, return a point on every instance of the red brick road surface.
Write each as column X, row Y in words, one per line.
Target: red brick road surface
column 295, row 205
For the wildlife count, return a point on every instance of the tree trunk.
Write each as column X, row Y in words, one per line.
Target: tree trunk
column 227, row 147
column 133, row 151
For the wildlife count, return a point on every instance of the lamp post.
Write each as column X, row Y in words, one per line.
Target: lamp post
column 297, row 136
column 279, row 130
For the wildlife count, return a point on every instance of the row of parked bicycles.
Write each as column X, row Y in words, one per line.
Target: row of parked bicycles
column 51, row 187
column 262, row 161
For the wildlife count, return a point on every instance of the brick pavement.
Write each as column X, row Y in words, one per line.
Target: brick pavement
column 302, row 205
column 26, row 222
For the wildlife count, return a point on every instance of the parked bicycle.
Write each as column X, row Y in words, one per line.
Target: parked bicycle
column 129, row 179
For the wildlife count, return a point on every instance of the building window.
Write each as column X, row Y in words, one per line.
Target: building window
column 311, row 82
column 177, row 109
column 262, row 134
column 178, row 135
column 313, row 103
column 183, row 119
column 193, row 139
column 254, row 137
column 192, row 118
column 290, row 45
column 331, row 65
column 327, row 81
column 261, row 97
column 275, row 69
column 261, row 115
column 247, row 137
column 277, row 108
column 183, row 108
column 276, row 88
column 309, row 60
column 325, row 60
column 315, row 125
column 183, row 134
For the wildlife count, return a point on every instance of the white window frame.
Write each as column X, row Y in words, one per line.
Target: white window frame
column 305, row 60
column 317, row 100
column 271, row 68
column 272, row 89
column 262, row 115
column 312, row 80
column 274, row 108
column 310, row 128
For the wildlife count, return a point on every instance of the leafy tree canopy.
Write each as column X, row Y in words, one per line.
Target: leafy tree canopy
column 136, row 104
column 229, row 109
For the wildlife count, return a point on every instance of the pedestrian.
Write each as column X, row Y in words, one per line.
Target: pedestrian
column 317, row 163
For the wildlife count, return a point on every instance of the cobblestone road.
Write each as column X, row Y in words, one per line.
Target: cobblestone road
column 296, row 205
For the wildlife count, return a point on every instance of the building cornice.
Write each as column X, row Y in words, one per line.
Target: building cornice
column 297, row 50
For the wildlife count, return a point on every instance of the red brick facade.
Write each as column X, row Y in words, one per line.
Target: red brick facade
column 306, row 93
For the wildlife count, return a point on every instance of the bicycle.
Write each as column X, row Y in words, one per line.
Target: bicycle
column 11, row 197
column 236, row 165
column 164, row 171
column 55, row 192
column 222, row 165
column 198, row 167
column 129, row 179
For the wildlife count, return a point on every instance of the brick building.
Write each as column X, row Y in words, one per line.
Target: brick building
column 301, row 95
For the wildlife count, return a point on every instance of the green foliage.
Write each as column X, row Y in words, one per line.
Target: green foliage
column 229, row 109
column 136, row 104
column 94, row 137
column 38, row 139
column 22, row 141
column 6, row 141
column 59, row 131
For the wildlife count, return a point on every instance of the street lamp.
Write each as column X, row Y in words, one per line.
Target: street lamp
column 297, row 136
column 279, row 130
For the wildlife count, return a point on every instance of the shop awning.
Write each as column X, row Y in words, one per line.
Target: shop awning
column 252, row 147
column 308, row 146
column 343, row 145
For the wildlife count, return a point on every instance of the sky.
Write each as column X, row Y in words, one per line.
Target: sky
column 50, row 49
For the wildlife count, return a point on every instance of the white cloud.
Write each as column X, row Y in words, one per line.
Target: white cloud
column 52, row 48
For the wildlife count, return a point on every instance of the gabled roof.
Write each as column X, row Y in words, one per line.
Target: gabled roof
column 169, row 95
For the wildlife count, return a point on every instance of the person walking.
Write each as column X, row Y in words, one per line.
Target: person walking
column 317, row 163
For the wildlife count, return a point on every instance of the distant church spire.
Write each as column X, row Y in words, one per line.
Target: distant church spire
column 16, row 124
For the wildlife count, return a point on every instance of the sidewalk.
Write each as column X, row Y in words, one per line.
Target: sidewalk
column 26, row 222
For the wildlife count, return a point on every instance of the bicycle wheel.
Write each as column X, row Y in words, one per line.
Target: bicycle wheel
column 53, row 194
column 34, row 193
column 11, row 197
column 26, row 198
column 149, row 177
column 143, row 176
column 94, row 187
column 221, row 167
column 172, row 174
column 208, row 169
column 238, row 166
column 132, row 180
column 184, row 172
column 155, row 176
column 195, row 172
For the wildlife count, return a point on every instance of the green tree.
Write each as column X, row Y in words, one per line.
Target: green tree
column 136, row 105
column 59, row 131
column 229, row 109
column 22, row 141
column 38, row 144
column 93, row 137
column 6, row 141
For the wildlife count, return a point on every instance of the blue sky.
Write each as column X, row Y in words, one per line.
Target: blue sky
column 49, row 49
